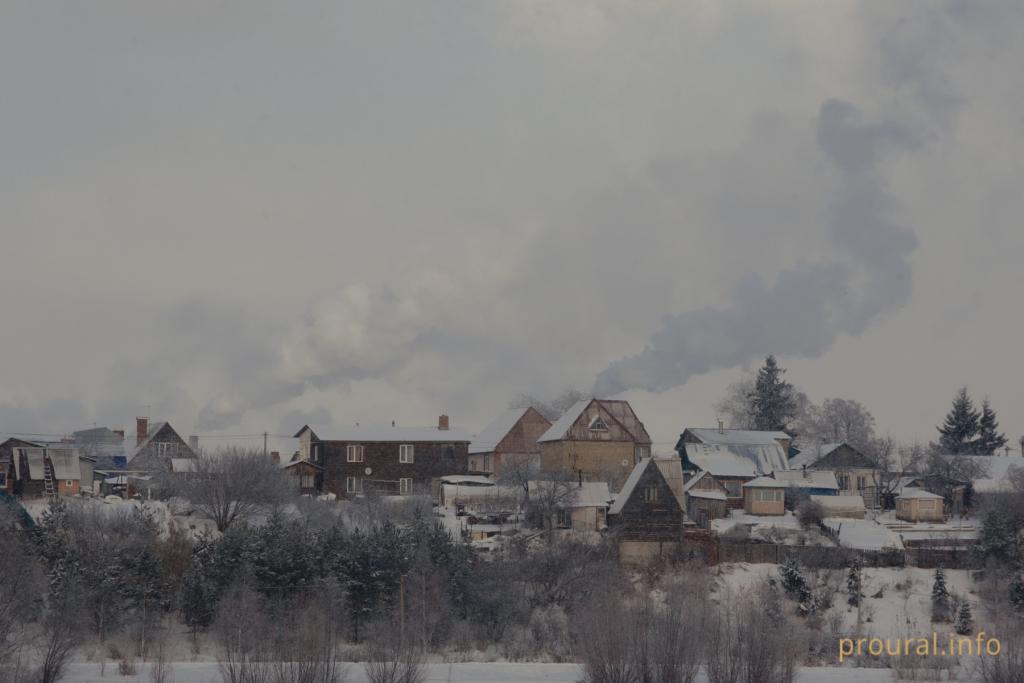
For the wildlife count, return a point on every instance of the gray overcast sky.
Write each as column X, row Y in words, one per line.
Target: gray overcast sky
column 242, row 216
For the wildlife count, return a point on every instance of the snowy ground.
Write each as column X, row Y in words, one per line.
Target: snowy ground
column 188, row 672
column 784, row 529
column 863, row 534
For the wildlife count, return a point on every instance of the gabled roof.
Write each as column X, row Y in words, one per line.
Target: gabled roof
column 736, row 460
column 491, row 435
column 765, row 483
column 293, row 463
column 151, row 432
column 735, row 437
column 65, row 463
column 562, row 425
column 812, row 454
column 670, row 470
column 809, row 479
column 395, row 435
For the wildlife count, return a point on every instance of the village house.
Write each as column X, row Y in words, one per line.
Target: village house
column 582, row 507
column 511, row 435
column 386, row 460
column 157, row 445
column 705, row 499
column 764, row 496
column 727, row 469
column 804, row 482
column 855, row 473
column 303, row 475
column 769, row 451
column 9, row 468
column 648, row 517
column 595, row 440
column 42, row 469
column 918, row 505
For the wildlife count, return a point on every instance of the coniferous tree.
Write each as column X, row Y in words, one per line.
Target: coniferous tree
column 964, row 623
column 990, row 439
column 959, row 431
column 773, row 403
column 854, row 582
column 940, row 597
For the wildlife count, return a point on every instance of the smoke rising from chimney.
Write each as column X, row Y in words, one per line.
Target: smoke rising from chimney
column 808, row 306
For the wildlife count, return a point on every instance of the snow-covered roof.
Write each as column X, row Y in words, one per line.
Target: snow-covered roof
column 694, row 479
column 720, row 461
column 65, row 463
column 765, row 483
column 397, row 434
column 467, row 479
column 701, row 493
column 840, row 502
column 556, row 431
column 491, row 435
column 812, row 454
column 809, row 479
column 727, row 459
column 36, row 463
column 736, row 437
column 911, row 492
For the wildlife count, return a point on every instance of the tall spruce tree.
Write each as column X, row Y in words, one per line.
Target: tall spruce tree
column 959, row 431
column 964, row 623
column 773, row 402
column 940, row 597
column 990, row 439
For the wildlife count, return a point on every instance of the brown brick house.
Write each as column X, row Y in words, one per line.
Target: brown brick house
column 513, row 434
column 386, row 460
column 595, row 440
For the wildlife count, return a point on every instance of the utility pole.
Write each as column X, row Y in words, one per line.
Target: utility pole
column 264, row 444
column 401, row 611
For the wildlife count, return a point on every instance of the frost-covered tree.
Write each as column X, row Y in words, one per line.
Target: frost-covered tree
column 839, row 420
column 795, row 585
column 958, row 432
column 964, row 623
column 773, row 404
column 854, row 581
column 998, row 536
column 1017, row 590
column 990, row 439
column 940, row 597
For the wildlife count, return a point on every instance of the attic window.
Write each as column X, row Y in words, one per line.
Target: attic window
column 597, row 424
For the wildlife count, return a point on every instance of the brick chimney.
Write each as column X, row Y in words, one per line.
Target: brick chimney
column 141, row 429
column 275, row 457
column 442, row 422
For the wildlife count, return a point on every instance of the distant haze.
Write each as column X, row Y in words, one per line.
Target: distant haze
column 241, row 217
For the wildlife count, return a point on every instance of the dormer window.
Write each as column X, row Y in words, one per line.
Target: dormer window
column 597, row 424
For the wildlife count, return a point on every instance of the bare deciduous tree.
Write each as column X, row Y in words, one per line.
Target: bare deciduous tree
column 233, row 485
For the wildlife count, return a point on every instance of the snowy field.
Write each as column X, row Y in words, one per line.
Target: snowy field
column 202, row 672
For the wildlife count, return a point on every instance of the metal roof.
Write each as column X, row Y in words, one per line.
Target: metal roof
column 491, row 435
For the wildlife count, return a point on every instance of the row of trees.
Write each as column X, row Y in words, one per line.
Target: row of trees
column 766, row 401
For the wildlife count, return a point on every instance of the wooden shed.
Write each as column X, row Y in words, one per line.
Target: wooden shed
column 918, row 505
column 850, row 506
column 764, row 496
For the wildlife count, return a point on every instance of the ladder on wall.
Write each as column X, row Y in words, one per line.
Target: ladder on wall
column 48, row 483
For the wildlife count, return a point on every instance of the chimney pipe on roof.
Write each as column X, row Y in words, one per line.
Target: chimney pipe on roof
column 275, row 457
column 141, row 429
column 721, row 426
column 442, row 422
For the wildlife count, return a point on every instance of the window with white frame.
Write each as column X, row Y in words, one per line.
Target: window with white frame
column 404, row 486
column 862, row 482
column 651, row 494
column 769, row 495
column 405, row 453
column 164, row 448
column 69, row 483
column 307, row 481
column 353, row 484
column 354, row 452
